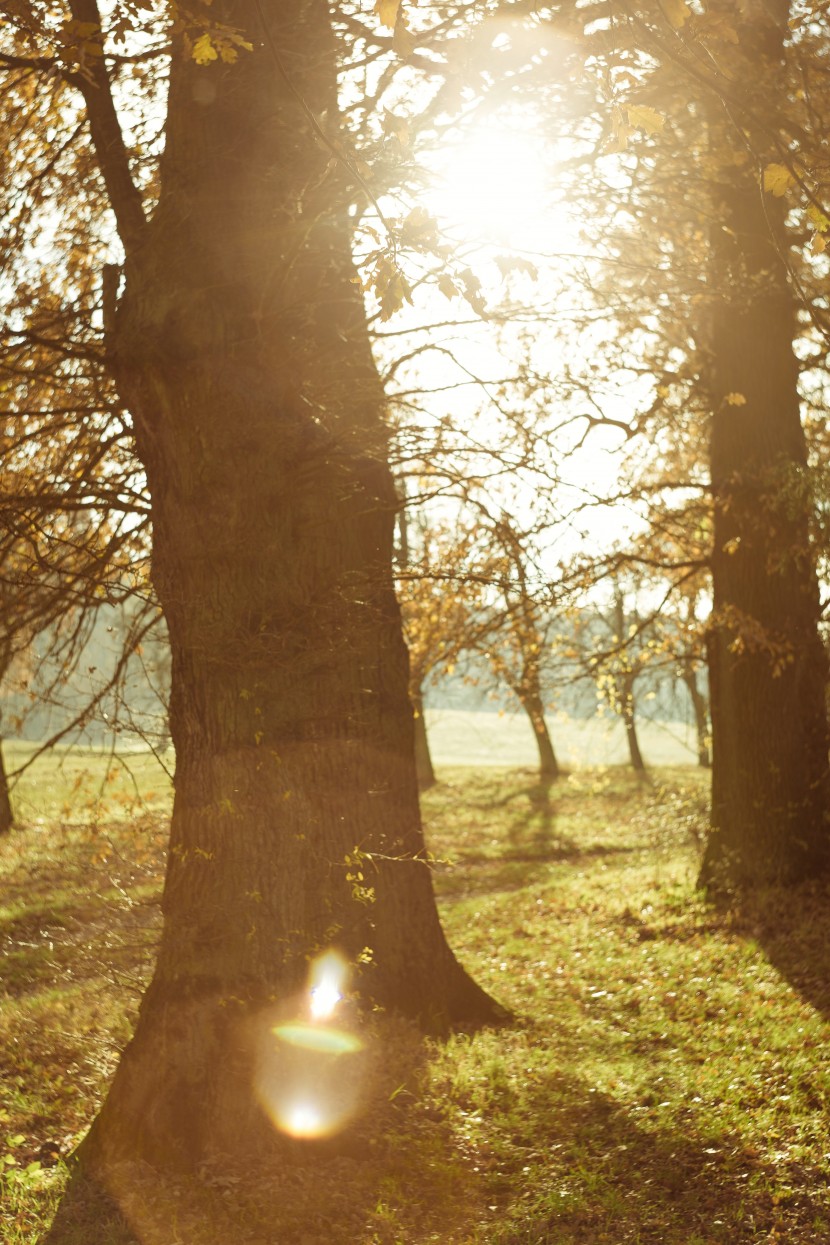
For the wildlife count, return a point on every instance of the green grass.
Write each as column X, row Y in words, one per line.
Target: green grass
column 666, row 1080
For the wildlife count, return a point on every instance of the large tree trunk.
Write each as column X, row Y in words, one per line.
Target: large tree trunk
column 242, row 352
column 767, row 665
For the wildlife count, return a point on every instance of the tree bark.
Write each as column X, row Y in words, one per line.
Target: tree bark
column 242, row 352
column 768, row 668
column 423, row 757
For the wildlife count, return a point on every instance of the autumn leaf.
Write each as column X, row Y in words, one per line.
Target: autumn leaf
column 403, row 40
column 735, row 399
column 203, row 50
column 447, row 286
column 777, row 180
column 644, row 118
column 387, row 12
column 677, row 11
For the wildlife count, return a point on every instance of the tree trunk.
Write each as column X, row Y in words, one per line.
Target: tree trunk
column 630, row 723
column 699, row 706
column 423, row 756
column 242, row 353
column 6, row 815
column 535, row 709
column 767, row 666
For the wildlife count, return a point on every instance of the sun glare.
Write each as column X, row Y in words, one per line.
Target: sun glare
column 494, row 187
column 326, row 982
column 310, row 1068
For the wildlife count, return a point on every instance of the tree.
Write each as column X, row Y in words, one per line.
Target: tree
column 441, row 584
column 709, row 126
column 519, row 640
column 239, row 346
column 768, row 669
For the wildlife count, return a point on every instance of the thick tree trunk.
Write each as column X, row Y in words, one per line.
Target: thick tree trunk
column 6, row 814
column 767, row 665
column 700, row 710
column 241, row 350
column 423, row 757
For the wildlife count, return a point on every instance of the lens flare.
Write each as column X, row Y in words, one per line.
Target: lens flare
column 310, row 1070
column 326, row 983
column 302, row 1119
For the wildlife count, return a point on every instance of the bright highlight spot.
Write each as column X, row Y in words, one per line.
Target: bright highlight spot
column 303, row 1120
column 327, row 980
column 310, row 1070
column 495, row 189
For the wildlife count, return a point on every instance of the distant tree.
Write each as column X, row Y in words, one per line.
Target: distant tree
column 442, row 584
column 518, row 642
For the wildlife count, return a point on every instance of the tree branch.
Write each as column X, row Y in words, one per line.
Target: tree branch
column 93, row 83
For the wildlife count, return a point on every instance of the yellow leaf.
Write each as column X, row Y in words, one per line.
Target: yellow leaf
column 403, row 40
column 818, row 244
column 818, row 219
column 644, row 118
column 203, row 50
column 447, row 286
column 387, row 11
column 777, row 179
column 735, row 399
column 677, row 11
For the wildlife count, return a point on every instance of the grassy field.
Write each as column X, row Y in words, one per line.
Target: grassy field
column 666, row 1079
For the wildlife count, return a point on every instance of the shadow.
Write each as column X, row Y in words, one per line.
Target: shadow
column 597, row 1171
column 793, row 928
column 395, row 1174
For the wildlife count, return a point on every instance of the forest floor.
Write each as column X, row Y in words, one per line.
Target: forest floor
column 666, row 1079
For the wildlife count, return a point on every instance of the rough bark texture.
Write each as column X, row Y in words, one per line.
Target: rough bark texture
column 767, row 665
column 241, row 350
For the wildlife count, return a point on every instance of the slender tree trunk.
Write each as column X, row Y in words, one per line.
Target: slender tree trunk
column 699, row 707
column 242, row 352
column 630, row 723
column 768, row 669
column 535, row 709
column 423, row 756
column 6, row 815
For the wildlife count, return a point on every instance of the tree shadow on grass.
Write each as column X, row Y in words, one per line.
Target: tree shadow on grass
column 393, row 1176
column 598, row 1172
column 793, row 928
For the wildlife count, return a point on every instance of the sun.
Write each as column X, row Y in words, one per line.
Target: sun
column 495, row 187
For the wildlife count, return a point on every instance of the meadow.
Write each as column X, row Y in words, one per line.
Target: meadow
column 665, row 1077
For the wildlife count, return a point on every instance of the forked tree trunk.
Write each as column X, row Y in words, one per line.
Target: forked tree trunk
column 768, row 669
column 241, row 350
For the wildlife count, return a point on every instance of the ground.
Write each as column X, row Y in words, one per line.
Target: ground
column 665, row 1080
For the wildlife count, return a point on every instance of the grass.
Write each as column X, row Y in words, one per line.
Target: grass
column 666, row 1081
